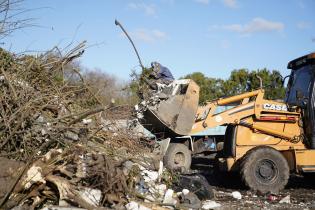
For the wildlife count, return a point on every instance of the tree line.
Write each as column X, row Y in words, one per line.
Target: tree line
column 239, row 81
column 108, row 87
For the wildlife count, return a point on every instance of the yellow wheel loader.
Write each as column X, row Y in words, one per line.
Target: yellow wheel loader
column 265, row 140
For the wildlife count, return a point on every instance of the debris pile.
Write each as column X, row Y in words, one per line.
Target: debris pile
column 61, row 147
column 53, row 129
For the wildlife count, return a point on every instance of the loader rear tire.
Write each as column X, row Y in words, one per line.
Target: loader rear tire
column 265, row 169
column 177, row 157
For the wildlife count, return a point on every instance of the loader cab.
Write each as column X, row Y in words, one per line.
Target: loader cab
column 301, row 92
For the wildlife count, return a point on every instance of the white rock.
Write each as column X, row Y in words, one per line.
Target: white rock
column 135, row 206
column 237, row 195
column 286, row 199
column 208, row 204
column 91, row 196
column 185, row 191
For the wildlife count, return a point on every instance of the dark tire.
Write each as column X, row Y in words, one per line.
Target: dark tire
column 264, row 169
column 177, row 157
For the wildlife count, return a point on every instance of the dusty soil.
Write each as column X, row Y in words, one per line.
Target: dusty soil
column 301, row 190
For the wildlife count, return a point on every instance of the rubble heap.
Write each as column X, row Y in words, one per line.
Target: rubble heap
column 61, row 147
column 52, row 130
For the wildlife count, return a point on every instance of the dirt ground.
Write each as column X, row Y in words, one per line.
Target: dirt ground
column 300, row 191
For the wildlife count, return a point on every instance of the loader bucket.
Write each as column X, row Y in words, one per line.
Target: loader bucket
column 174, row 115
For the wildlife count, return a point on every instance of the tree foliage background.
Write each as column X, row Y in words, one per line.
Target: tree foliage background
column 239, row 81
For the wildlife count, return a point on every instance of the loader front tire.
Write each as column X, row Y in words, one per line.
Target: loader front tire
column 177, row 157
column 264, row 170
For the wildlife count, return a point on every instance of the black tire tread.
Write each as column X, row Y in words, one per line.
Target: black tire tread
column 245, row 167
column 173, row 148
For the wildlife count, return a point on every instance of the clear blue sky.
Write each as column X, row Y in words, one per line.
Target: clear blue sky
column 211, row 36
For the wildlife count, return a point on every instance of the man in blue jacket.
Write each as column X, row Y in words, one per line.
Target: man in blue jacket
column 161, row 73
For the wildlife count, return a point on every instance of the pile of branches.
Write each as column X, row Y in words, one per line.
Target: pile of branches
column 74, row 176
column 46, row 106
column 44, row 99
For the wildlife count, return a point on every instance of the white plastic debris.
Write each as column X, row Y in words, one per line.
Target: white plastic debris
column 135, row 206
column 168, row 197
column 161, row 189
column 209, row 204
column 150, row 175
column 160, row 172
column 148, row 198
column 185, row 191
column 86, row 121
column 286, row 199
column 237, row 195
column 91, row 196
column 132, row 206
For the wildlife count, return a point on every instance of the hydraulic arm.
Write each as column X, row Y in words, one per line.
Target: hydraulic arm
column 245, row 108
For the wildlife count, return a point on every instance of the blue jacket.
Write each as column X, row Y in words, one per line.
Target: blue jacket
column 163, row 72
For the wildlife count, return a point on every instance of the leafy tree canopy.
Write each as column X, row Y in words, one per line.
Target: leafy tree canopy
column 240, row 81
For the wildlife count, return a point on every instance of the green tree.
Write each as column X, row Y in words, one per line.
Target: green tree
column 239, row 81
column 210, row 88
column 271, row 82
